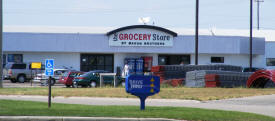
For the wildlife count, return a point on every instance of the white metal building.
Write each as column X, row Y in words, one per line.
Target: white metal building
column 85, row 49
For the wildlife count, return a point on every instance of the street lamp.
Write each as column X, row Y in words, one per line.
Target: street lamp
column 1, row 52
column 250, row 37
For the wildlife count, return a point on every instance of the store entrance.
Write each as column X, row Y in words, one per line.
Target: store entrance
column 173, row 59
column 91, row 62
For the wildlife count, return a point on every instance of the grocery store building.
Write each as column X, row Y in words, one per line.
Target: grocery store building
column 84, row 48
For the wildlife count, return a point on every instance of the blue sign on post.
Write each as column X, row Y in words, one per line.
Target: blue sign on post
column 49, row 72
column 49, row 65
column 142, row 86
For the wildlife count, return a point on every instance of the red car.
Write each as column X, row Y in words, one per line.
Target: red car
column 68, row 77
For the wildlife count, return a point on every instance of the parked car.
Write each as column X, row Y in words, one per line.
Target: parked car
column 68, row 77
column 19, row 72
column 43, row 79
column 92, row 79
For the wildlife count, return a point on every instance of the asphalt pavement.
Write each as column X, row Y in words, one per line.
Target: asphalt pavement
column 8, row 84
column 257, row 104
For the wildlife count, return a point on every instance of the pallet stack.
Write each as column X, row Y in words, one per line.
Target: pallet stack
column 158, row 71
column 177, row 82
column 169, row 72
column 220, row 78
column 195, row 79
column 212, row 80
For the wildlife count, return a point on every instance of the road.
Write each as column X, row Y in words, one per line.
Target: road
column 257, row 104
column 8, row 84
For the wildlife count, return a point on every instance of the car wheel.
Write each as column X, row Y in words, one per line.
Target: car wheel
column 93, row 84
column 21, row 78
column 13, row 81
column 75, row 85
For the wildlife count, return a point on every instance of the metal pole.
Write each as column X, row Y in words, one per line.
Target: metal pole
column 1, row 43
column 197, row 32
column 50, row 92
column 250, row 38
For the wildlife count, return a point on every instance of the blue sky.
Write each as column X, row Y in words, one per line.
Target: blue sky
column 221, row 14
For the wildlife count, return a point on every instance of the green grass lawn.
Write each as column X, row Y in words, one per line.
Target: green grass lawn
column 201, row 94
column 29, row 108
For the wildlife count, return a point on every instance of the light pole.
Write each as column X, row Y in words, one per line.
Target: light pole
column 1, row 41
column 258, row 12
column 250, row 37
column 197, row 33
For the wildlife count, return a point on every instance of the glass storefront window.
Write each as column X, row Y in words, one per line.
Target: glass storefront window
column 97, row 62
column 92, row 60
column 108, row 60
column 100, row 60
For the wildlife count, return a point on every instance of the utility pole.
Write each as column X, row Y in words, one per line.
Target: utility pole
column 258, row 12
column 197, row 33
column 1, row 44
column 250, row 37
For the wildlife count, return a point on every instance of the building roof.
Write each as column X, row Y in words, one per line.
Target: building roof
column 269, row 35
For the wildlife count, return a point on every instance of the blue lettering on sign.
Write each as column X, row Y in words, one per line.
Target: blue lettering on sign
column 142, row 85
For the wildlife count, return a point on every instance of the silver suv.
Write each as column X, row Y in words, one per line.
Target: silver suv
column 18, row 72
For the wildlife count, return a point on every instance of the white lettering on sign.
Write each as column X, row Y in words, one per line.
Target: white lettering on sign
column 141, row 37
column 136, row 84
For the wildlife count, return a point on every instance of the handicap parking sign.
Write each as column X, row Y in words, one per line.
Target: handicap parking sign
column 49, row 65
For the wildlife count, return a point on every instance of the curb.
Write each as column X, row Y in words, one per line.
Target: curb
column 55, row 118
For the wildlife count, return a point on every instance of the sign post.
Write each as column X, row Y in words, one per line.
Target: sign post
column 35, row 65
column 142, row 87
column 49, row 65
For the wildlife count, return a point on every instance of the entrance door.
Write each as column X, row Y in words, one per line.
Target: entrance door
column 91, row 62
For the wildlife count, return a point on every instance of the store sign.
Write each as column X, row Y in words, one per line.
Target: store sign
column 140, row 37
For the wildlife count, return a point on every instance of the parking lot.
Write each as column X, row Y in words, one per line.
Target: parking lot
column 8, row 84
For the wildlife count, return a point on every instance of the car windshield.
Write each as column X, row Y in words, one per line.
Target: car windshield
column 59, row 72
column 8, row 66
column 65, row 74
column 74, row 74
column 88, row 73
column 95, row 71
